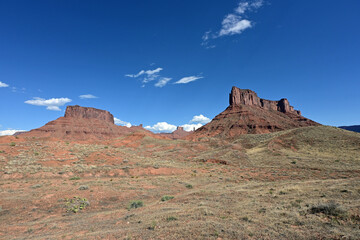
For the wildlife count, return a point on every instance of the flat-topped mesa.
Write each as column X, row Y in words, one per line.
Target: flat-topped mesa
column 247, row 97
column 88, row 112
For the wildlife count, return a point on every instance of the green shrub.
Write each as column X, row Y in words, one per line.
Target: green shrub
column 76, row 204
column 329, row 209
column 74, row 178
column 171, row 218
column 152, row 226
column 12, row 144
column 189, row 186
column 166, row 198
column 136, row 204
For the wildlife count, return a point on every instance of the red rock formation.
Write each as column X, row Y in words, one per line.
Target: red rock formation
column 88, row 112
column 247, row 97
column 177, row 134
column 83, row 123
column 249, row 114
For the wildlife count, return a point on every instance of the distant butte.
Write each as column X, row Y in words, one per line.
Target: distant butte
column 177, row 134
column 249, row 114
column 83, row 123
column 88, row 112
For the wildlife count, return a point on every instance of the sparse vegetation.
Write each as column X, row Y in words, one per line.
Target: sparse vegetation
column 136, row 204
column 329, row 209
column 171, row 218
column 152, row 226
column 255, row 187
column 12, row 144
column 166, row 198
column 75, row 178
column 83, row 187
column 76, row 204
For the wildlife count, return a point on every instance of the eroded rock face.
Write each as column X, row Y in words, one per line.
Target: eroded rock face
column 247, row 97
column 88, row 112
column 249, row 114
column 84, row 123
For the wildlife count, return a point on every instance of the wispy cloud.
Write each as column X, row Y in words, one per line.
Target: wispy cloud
column 87, row 96
column 233, row 23
column 50, row 104
column 122, row 123
column 161, row 127
column 149, row 75
column 185, row 80
column 10, row 132
column 162, row 82
column 153, row 75
column 3, row 84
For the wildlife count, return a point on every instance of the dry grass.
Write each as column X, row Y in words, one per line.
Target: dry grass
column 259, row 194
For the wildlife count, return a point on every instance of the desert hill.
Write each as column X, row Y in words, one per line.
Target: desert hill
column 83, row 123
column 249, row 114
column 299, row 183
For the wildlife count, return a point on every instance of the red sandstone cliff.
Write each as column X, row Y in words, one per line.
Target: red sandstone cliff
column 249, row 114
column 88, row 112
column 247, row 97
column 83, row 123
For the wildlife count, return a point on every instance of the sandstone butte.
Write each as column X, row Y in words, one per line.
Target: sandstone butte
column 177, row 134
column 249, row 114
column 84, row 123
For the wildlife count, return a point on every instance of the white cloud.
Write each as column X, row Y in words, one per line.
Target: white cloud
column 191, row 127
column 196, row 122
column 87, row 96
column 200, row 119
column 50, row 104
column 161, row 127
column 121, row 123
column 10, row 132
column 162, row 82
column 151, row 72
column 3, row 84
column 243, row 6
column 188, row 79
column 150, row 75
column 234, row 23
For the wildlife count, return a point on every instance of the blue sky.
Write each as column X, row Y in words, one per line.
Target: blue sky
column 169, row 63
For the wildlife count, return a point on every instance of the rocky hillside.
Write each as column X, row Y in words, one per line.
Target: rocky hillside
column 249, row 114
